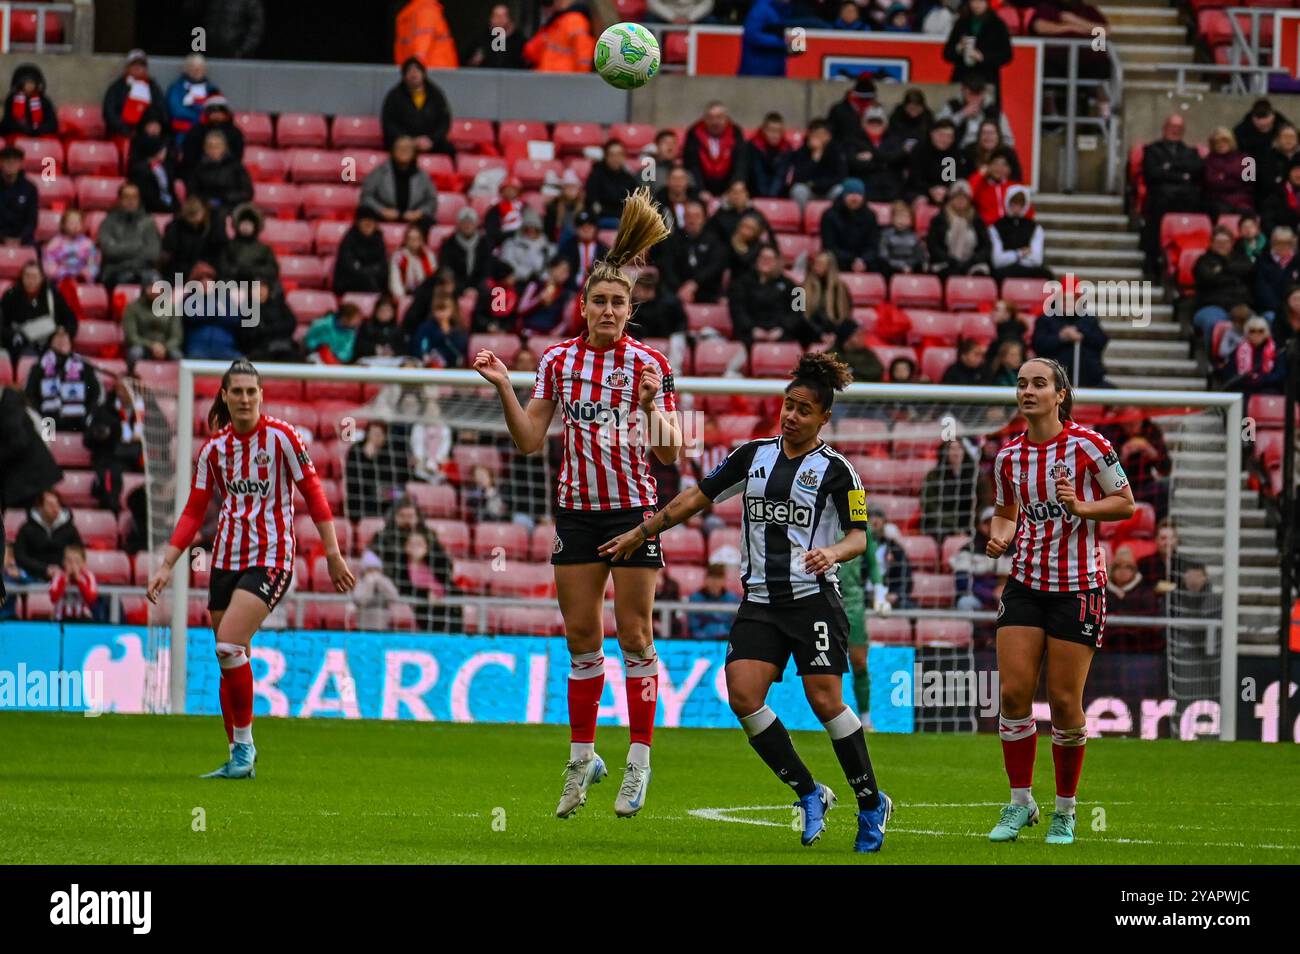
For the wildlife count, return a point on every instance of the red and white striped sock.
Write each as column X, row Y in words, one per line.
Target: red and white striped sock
column 586, row 686
column 237, row 681
column 642, row 672
column 1019, row 746
column 1067, row 755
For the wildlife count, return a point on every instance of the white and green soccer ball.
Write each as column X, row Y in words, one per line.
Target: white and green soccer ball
column 627, row 56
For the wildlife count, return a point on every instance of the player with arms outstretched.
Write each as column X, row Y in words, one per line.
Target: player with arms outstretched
column 1059, row 479
column 805, row 513
column 617, row 398
column 252, row 461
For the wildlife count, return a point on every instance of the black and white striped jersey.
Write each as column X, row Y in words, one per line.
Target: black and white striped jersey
column 792, row 504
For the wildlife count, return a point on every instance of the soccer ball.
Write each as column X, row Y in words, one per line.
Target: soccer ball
column 627, row 56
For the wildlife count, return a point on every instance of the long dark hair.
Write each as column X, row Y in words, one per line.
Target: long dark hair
column 1061, row 381
column 219, row 415
column 823, row 374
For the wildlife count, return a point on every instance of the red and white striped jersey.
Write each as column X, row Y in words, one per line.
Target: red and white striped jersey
column 254, row 473
column 1052, row 549
column 605, row 466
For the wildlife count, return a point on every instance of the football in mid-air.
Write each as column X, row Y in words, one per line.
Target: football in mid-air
column 627, row 56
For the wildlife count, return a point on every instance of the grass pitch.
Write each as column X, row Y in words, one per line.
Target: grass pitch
column 123, row 790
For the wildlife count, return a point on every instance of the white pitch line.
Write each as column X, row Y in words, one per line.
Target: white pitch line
column 724, row 815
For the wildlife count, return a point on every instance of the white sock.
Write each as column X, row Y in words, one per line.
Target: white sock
column 638, row 753
column 1065, row 805
column 578, row 751
column 244, row 735
column 1022, row 796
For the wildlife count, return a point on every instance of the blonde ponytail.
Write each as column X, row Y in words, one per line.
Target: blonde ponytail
column 641, row 226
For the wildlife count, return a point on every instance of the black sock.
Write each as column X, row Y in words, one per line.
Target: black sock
column 856, row 762
column 774, row 747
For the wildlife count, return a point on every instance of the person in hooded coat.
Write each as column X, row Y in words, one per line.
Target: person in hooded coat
column 28, row 111
column 1017, row 240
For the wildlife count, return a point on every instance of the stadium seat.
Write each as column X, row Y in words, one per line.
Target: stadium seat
column 367, row 527
column 532, row 172
column 979, row 325
column 471, row 576
column 434, row 500
column 47, row 225
column 38, row 149
column 859, row 435
column 363, row 132
column 316, row 165
column 1027, row 294
column 782, row 214
column 279, row 199
column 328, row 235
column 81, row 122
column 98, row 528
column 540, row 543
column 518, row 133
column 99, row 339
column 952, row 546
column 713, row 356
column 287, row 237
column 497, row 538
column 13, row 258
column 933, row 590
column 889, row 631
column 964, row 292
column 470, row 165
column 734, row 429
column 321, row 201
column 922, row 552
column 93, row 300
column 97, row 192
column 69, row 449
column 925, row 214
column 935, row 360
column 793, row 248
column 915, row 291
column 304, row 130
column 93, row 158
column 468, row 456
column 886, row 475
column 689, row 578
column 954, row 633
column 534, row 581
column 573, row 138
column 865, row 288
column 57, row 193
column 505, row 347
column 472, row 135
column 1184, row 230
column 933, row 327
column 683, row 544
column 527, row 621
column 902, row 510
column 703, row 316
column 303, row 271
column 773, row 359
column 812, row 215
column 75, row 488
column 1185, row 268
column 256, row 128
column 441, row 169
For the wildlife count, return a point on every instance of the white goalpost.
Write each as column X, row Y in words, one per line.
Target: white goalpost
column 889, row 429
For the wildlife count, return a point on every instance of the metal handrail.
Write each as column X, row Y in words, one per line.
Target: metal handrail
column 1108, row 123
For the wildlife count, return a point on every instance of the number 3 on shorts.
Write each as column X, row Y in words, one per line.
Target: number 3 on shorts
column 823, row 635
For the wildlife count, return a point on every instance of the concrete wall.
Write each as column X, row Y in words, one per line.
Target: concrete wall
column 1145, row 113
column 266, row 86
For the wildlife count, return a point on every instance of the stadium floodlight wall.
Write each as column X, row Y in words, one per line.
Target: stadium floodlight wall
column 1230, row 406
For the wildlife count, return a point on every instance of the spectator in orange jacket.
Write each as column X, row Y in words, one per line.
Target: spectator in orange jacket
column 422, row 32
column 564, row 43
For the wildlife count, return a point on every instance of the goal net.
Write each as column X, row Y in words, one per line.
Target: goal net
column 450, row 529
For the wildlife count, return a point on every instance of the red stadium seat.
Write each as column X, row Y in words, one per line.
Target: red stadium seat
column 889, row 631
column 535, row 581
column 952, row 546
column 886, row 475
column 532, row 172
column 98, row 528
column 320, row 201
column 573, row 138
column 38, row 149
column 266, row 164
column 773, row 359
column 859, row 435
column 468, row 456
column 93, row 300
column 97, row 192
column 81, row 122
column 497, row 538
column 795, row 247
column 865, row 288
column 13, row 258
column 287, row 237
column 363, row 132
column 922, row 552
column 528, row 621
column 279, row 199
column 935, row 360
column 99, row 338
column 1185, row 267
column 1027, row 294
column 470, row 165
column 970, row 292
column 689, row 578
column 933, row 327
column 1267, row 410
column 435, row 500
column 713, row 356
column 316, row 165
column 953, row 633
column 934, row 590
column 635, row 136
column 309, row 304
column 69, row 449
column 329, row 235
column 441, row 169
column 256, row 128
column 915, row 291
column 94, row 158
column 925, row 214
column 782, row 214
column 978, row 325
column 734, row 429
column 902, row 510
column 812, row 215
column 520, row 132
column 702, row 316
column 472, row 135
column 505, row 347
column 58, row 193
column 1184, row 230
column 75, row 488
column 305, row 130
column 109, row 566
column 303, row 271
column 683, row 544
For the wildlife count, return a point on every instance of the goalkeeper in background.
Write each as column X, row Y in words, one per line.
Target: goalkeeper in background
column 855, row 609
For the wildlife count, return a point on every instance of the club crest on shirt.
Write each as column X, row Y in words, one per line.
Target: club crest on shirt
column 617, row 379
column 1061, row 469
column 262, row 459
column 808, row 479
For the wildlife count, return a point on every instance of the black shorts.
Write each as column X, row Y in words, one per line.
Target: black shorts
column 267, row 583
column 815, row 629
column 1078, row 617
column 579, row 535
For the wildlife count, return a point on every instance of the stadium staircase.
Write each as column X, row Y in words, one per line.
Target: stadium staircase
column 1090, row 235
column 1149, row 34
